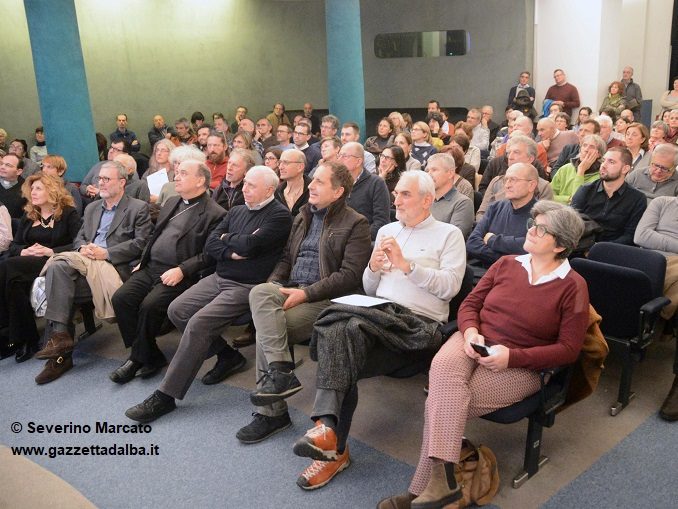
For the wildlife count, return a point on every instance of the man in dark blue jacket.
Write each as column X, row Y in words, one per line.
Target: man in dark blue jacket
column 246, row 245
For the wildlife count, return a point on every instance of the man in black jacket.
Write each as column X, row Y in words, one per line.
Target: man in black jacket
column 169, row 265
column 246, row 246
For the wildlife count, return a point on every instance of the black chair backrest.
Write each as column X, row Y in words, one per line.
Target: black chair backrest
column 616, row 293
column 650, row 262
column 464, row 290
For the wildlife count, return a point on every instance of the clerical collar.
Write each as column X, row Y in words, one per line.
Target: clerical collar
column 193, row 200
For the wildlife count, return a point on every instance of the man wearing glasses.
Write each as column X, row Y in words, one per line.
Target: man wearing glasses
column 89, row 187
column 523, row 84
column 300, row 136
column 502, row 229
column 658, row 179
column 283, row 134
column 611, row 201
column 113, row 235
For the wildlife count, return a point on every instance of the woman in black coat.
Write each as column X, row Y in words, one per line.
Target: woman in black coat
column 48, row 226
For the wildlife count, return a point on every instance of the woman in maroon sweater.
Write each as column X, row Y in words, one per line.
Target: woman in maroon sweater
column 532, row 313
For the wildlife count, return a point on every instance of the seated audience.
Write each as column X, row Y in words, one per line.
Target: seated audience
column 326, row 253
column 160, row 131
column 20, row 149
column 369, row 195
column 329, row 151
column 562, row 121
column 582, row 169
column 230, row 191
column 56, row 166
column 462, row 184
column 384, row 137
column 160, row 162
column 49, row 226
column 669, row 99
column 553, row 140
column 546, row 331
column 481, row 132
column 606, row 132
column 419, row 273
column 521, row 149
column 500, row 164
column 404, row 141
column 658, row 230
column 217, row 158
column 659, row 178
column 293, row 189
column 501, row 230
column 421, row 143
column 449, row 205
column 636, row 141
column 170, row 263
column 278, row 117
column 569, row 152
column 89, row 187
column 391, row 166
column 184, row 134
column 468, row 169
column 5, row 228
column 272, row 159
column 112, row 237
column 584, row 114
column 246, row 246
column 659, row 131
column 264, row 134
column 614, row 101
column 11, row 196
column 350, row 131
column 472, row 154
column 329, row 128
column 178, row 156
column 39, row 150
column 672, row 122
column 611, row 202
column 136, row 187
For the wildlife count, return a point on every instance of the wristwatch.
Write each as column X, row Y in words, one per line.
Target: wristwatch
column 411, row 269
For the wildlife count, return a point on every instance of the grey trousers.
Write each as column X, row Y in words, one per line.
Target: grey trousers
column 277, row 329
column 63, row 284
column 201, row 314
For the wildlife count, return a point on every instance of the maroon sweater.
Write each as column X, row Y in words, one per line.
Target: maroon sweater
column 543, row 325
column 566, row 93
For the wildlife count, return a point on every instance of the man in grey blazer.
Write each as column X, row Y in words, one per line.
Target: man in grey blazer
column 116, row 229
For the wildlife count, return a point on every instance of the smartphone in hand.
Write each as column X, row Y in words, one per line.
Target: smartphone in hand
column 480, row 349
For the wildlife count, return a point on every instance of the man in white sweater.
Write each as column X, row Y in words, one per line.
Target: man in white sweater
column 417, row 264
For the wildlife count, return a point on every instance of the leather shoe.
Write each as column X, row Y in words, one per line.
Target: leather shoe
column 25, row 352
column 669, row 410
column 53, row 369
column 224, row 368
column 150, row 370
column 156, row 405
column 59, row 343
column 247, row 338
column 402, row 501
column 126, row 372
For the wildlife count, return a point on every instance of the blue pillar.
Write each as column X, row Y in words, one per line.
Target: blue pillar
column 62, row 83
column 345, row 80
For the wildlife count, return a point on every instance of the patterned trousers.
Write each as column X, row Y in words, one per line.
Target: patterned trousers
column 460, row 389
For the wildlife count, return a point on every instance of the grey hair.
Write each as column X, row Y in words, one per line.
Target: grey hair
column 119, row 167
column 565, row 224
column 424, row 181
column 334, row 120
column 601, row 146
column 529, row 143
column 445, row 159
column 201, row 170
column 270, row 178
column 603, row 120
column 660, row 124
column 246, row 155
column 183, row 121
column 666, row 149
column 186, row 152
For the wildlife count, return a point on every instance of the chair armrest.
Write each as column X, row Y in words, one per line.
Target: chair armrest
column 655, row 305
column 449, row 328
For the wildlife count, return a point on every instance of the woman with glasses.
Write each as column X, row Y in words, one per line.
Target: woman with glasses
column 546, row 330
column 391, row 165
column 421, row 138
column 272, row 159
column 48, row 226
column 160, row 160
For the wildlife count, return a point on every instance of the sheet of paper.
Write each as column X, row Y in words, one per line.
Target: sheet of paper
column 156, row 181
column 363, row 301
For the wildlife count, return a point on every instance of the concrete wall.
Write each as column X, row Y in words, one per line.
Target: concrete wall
column 501, row 47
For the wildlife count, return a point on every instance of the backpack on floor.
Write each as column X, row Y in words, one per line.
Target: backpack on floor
column 477, row 474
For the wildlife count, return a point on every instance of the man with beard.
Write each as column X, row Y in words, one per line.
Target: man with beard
column 216, row 158
column 203, row 133
column 611, row 202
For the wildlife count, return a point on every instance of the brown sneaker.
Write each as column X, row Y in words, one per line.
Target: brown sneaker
column 319, row 473
column 54, row 369
column 60, row 343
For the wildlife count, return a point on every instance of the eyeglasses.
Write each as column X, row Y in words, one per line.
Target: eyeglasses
column 387, row 158
column 299, row 133
column 114, row 149
column 270, row 158
column 106, row 180
column 513, row 180
column 661, row 168
column 540, row 229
